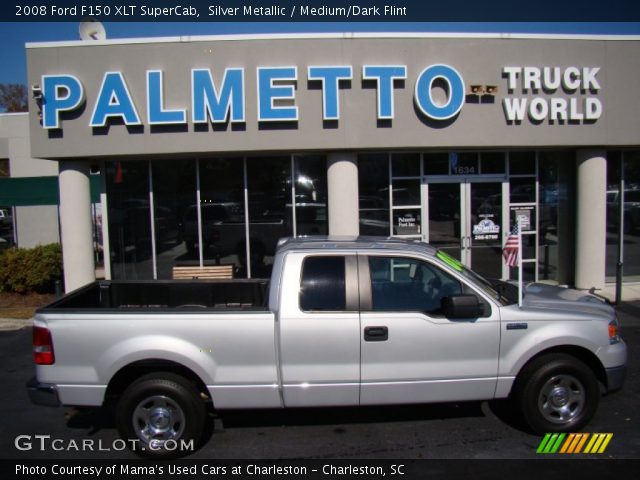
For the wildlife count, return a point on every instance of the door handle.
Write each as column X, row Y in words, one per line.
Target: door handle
column 376, row 334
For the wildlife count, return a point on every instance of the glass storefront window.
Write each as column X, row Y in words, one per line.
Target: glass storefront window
column 278, row 196
column 129, row 220
column 464, row 163
column 522, row 163
column 492, row 163
column 405, row 164
column 529, row 246
column 556, row 210
column 373, row 190
column 528, row 272
column 270, row 209
column 406, row 192
column 623, row 167
column 311, row 195
column 632, row 215
column 214, row 231
column 549, row 196
column 174, row 193
column 522, row 190
column 222, row 212
column 614, row 175
column 436, row 163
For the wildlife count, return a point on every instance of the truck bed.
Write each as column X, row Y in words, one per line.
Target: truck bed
column 198, row 295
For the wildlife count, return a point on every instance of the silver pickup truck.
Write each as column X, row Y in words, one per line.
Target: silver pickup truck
column 342, row 322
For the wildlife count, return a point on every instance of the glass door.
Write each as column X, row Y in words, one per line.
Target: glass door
column 445, row 217
column 483, row 246
column 466, row 218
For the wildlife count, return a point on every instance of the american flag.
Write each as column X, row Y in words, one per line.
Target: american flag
column 510, row 252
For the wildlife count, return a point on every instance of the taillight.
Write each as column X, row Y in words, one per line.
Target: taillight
column 43, row 346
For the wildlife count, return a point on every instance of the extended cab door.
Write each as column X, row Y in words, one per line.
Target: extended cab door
column 319, row 330
column 411, row 353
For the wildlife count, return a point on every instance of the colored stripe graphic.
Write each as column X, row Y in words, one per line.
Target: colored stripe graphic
column 550, row 443
column 598, row 443
column 574, row 443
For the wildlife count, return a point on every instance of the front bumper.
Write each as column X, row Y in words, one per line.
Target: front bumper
column 616, row 377
column 43, row 393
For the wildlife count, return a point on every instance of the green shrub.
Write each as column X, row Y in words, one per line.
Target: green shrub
column 25, row 270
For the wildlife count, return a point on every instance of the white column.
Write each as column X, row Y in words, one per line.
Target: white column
column 342, row 183
column 75, row 224
column 591, row 219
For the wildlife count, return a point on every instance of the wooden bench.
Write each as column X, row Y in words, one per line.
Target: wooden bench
column 207, row 272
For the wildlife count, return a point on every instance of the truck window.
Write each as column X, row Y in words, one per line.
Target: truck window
column 322, row 286
column 409, row 285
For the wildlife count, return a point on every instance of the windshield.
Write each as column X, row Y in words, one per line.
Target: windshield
column 487, row 286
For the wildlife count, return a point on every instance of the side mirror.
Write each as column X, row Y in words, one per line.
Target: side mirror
column 461, row 306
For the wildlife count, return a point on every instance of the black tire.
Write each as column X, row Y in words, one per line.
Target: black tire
column 557, row 393
column 160, row 412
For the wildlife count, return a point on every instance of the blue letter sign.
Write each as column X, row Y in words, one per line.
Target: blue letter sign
column 156, row 113
column 60, row 93
column 384, row 75
column 206, row 101
column 114, row 100
column 454, row 87
column 268, row 92
column 330, row 78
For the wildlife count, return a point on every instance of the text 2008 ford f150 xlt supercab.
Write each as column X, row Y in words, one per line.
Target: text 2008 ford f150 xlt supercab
column 342, row 322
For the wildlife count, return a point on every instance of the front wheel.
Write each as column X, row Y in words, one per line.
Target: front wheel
column 557, row 393
column 161, row 416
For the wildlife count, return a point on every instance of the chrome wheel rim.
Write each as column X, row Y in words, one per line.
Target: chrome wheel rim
column 157, row 419
column 561, row 399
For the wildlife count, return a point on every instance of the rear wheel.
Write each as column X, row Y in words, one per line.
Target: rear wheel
column 557, row 393
column 162, row 415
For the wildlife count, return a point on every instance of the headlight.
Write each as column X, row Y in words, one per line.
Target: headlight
column 614, row 337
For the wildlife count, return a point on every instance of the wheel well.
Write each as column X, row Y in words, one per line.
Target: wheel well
column 585, row 356
column 130, row 373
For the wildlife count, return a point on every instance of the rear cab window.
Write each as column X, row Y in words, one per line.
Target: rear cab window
column 323, row 284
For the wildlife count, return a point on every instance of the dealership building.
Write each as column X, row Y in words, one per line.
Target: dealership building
column 209, row 149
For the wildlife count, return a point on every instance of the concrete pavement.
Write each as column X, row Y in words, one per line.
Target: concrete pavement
column 629, row 309
column 630, row 293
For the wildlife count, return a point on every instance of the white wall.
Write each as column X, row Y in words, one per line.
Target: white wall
column 37, row 225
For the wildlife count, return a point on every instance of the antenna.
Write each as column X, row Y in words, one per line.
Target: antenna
column 91, row 29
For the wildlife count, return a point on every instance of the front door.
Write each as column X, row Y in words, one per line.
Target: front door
column 412, row 353
column 466, row 218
